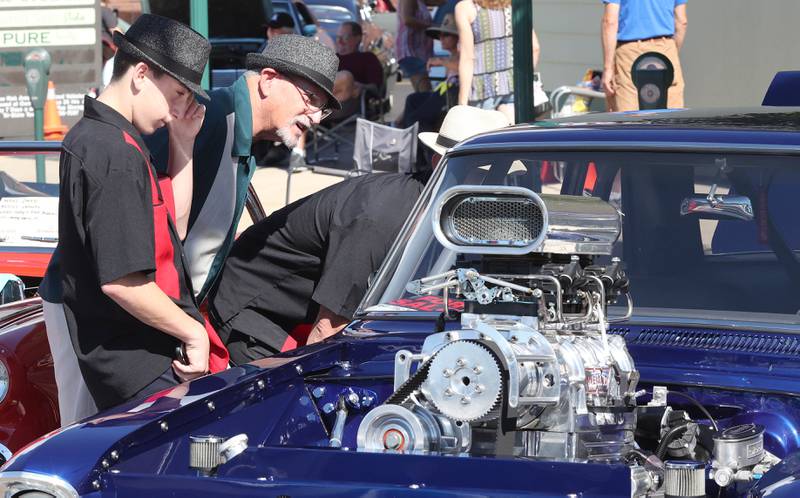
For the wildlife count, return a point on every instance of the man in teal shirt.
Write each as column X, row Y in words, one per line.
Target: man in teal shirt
column 287, row 90
column 631, row 28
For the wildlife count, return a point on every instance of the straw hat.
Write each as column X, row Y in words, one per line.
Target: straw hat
column 460, row 123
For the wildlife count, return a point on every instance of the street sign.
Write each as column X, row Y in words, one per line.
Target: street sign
column 70, row 31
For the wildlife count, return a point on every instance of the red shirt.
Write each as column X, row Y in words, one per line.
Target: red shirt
column 366, row 68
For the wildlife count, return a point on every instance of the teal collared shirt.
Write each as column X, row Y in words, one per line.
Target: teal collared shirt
column 223, row 167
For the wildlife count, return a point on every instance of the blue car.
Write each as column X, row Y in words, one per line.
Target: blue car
column 600, row 307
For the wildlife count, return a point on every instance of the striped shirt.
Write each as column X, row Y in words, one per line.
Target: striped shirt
column 493, row 73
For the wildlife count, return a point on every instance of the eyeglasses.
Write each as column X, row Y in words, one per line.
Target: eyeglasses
column 321, row 104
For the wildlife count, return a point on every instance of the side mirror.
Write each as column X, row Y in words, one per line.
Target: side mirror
column 726, row 206
column 310, row 30
column 12, row 289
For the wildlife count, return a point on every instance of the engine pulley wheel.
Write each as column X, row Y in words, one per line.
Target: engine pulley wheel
column 464, row 381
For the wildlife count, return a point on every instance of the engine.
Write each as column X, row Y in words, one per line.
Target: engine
column 522, row 364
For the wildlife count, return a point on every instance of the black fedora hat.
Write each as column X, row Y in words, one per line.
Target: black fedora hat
column 169, row 45
column 300, row 56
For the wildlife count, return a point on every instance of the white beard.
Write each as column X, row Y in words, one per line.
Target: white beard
column 286, row 135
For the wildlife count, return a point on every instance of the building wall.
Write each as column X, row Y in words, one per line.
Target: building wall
column 733, row 47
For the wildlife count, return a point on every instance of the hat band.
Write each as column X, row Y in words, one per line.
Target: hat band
column 169, row 64
column 445, row 142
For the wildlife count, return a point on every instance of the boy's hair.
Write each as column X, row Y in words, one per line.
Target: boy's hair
column 123, row 61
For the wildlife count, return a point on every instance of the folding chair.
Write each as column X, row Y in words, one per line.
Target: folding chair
column 382, row 148
column 371, row 104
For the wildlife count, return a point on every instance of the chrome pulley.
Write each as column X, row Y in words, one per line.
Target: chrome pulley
column 464, row 382
column 399, row 429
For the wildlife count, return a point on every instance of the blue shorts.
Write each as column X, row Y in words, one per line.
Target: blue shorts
column 412, row 66
column 492, row 103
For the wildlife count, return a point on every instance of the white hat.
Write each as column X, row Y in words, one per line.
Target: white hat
column 462, row 122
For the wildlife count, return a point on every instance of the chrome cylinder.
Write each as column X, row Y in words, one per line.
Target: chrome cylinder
column 204, row 453
column 739, row 446
column 684, row 479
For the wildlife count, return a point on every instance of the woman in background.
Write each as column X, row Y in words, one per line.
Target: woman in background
column 413, row 46
column 486, row 62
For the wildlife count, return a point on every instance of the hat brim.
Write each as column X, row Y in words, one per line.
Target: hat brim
column 436, row 32
column 257, row 62
column 429, row 138
column 126, row 46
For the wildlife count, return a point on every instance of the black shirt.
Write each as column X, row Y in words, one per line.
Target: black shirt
column 110, row 225
column 319, row 250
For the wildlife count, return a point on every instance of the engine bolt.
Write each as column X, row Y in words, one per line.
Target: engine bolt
column 447, row 372
column 328, row 408
column 353, row 399
column 477, row 369
column 105, row 464
column 479, row 388
column 299, row 369
column 114, row 455
column 318, row 392
column 448, row 392
column 260, row 384
column 393, row 440
column 164, row 426
column 211, row 406
column 461, row 362
column 465, row 400
column 96, row 485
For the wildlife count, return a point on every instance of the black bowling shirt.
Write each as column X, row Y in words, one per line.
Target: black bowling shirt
column 110, row 225
column 319, row 250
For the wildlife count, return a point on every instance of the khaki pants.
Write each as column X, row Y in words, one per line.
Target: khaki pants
column 626, row 98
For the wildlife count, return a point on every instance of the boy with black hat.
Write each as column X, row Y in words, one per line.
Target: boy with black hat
column 118, row 279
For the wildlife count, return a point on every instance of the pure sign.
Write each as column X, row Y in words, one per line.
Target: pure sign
column 69, row 31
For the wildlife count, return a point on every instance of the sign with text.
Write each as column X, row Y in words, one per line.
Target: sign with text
column 29, row 221
column 70, row 31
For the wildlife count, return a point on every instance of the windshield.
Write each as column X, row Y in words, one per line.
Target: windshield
column 678, row 256
column 332, row 13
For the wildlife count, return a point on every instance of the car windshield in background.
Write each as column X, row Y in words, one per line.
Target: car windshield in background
column 700, row 231
column 331, row 13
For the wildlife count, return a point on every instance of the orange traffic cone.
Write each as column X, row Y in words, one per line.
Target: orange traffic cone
column 53, row 128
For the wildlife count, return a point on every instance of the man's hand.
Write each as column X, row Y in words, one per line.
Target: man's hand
column 328, row 323
column 609, row 82
column 197, row 352
column 185, row 124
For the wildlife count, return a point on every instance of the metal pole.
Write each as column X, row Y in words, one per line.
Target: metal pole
column 522, row 25
column 199, row 22
column 38, row 134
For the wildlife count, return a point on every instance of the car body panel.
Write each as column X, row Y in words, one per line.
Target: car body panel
column 741, row 365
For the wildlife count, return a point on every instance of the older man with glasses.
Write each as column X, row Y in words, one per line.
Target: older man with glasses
column 288, row 89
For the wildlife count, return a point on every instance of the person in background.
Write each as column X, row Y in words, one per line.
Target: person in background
column 280, row 23
column 364, row 67
column 428, row 108
column 631, row 28
column 413, row 47
column 297, row 276
column 485, row 70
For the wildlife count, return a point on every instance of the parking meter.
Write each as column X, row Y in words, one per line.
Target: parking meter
column 37, row 74
column 652, row 75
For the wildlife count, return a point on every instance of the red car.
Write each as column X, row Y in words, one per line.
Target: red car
column 28, row 236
